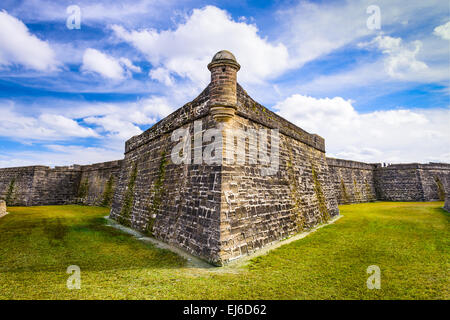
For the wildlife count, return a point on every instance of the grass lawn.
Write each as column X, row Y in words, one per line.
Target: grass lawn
column 409, row 242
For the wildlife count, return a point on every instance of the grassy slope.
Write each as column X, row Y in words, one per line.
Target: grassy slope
column 408, row 241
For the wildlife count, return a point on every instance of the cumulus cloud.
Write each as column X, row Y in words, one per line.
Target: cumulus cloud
column 311, row 30
column 122, row 121
column 186, row 50
column 107, row 66
column 115, row 126
column 112, row 123
column 19, row 47
column 401, row 61
column 109, row 124
column 400, row 135
column 443, row 31
column 162, row 75
column 41, row 127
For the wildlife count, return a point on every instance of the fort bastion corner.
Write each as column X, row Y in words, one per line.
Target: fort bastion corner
column 215, row 203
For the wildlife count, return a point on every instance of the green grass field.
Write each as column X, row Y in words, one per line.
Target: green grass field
column 409, row 242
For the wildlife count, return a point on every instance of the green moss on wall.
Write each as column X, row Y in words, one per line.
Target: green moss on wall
column 294, row 188
column 108, row 192
column 369, row 193
column 356, row 191
column 10, row 193
column 440, row 188
column 127, row 206
column 83, row 190
column 344, row 194
column 324, row 214
column 157, row 193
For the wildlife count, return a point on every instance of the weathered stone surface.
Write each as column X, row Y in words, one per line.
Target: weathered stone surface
column 40, row 185
column 412, row 182
column 353, row 181
column 2, row 208
column 221, row 212
column 225, row 210
column 361, row 182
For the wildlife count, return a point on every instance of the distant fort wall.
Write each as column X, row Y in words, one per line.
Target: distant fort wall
column 363, row 182
column 40, row 185
column 351, row 181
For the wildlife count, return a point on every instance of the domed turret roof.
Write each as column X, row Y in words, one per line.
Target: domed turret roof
column 224, row 57
column 224, row 54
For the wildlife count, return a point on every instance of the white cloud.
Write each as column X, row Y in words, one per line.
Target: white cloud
column 443, row 31
column 117, row 122
column 162, row 75
column 115, row 126
column 401, row 135
column 314, row 30
column 42, row 127
column 106, row 66
column 123, row 11
column 311, row 30
column 401, row 61
column 112, row 124
column 19, row 46
column 129, row 65
column 187, row 50
column 60, row 155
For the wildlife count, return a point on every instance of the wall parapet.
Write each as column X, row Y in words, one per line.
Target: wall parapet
column 351, row 164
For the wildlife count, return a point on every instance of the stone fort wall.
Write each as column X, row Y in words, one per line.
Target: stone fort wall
column 258, row 210
column 412, row 182
column 176, row 203
column 362, row 182
column 222, row 212
column 353, row 181
column 41, row 185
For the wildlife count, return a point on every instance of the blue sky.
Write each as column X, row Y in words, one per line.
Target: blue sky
column 75, row 95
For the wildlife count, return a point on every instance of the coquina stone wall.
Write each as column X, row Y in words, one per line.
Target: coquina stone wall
column 412, row 182
column 353, row 181
column 17, row 185
column 41, row 185
column 177, row 203
column 258, row 210
column 435, row 178
column 222, row 211
column 98, row 182
column 362, row 182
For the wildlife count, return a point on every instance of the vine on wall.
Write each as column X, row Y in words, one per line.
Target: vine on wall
column 324, row 214
column 108, row 192
column 10, row 193
column 129, row 198
column 293, row 184
column 440, row 187
column 158, row 193
column 83, row 190
column 344, row 193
